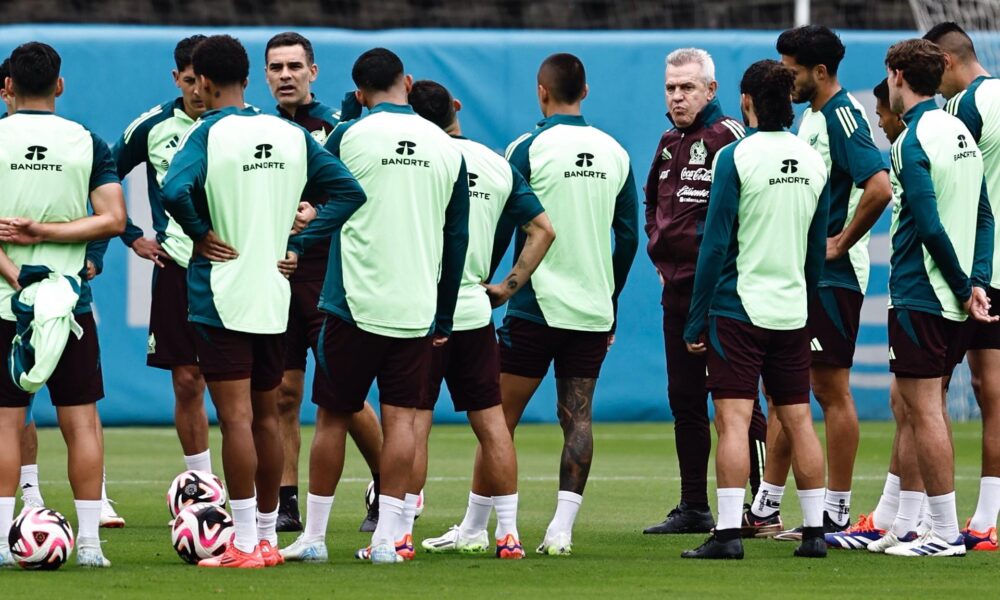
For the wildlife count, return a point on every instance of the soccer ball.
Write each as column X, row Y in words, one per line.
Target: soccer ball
column 41, row 539
column 370, row 500
column 192, row 487
column 201, row 531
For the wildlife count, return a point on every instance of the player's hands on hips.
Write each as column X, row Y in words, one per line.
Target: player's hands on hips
column 438, row 340
column 21, row 231
column 149, row 249
column 833, row 250
column 288, row 266
column 214, row 249
column 499, row 294
column 303, row 216
column 91, row 270
column 696, row 347
column 978, row 306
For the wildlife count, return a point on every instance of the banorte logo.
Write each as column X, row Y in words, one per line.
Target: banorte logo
column 789, row 165
column 405, row 148
column 472, row 179
column 263, row 151
column 36, row 152
column 585, row 159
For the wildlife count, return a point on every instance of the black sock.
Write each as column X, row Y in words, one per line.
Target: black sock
column 812, row 532
column 288, row 498
column 725, row 535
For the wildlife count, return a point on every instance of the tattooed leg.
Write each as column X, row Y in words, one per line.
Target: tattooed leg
column 575, row 399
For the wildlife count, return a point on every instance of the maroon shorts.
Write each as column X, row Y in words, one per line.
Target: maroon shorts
column 470, row 364
column 740, row 354
column 77, row 378
column 226, row 355
column 305, row 319
column 925, row 346
column 349, row 359
column 527, row 348
column 171, row 336
column 834, row 318
column 986, row 336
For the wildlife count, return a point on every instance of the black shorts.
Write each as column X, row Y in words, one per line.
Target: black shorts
column 77, row 379
column 740, row 354
column 349, row 359
column 527, row 348
column 171, row 341
column 305, row 319
column 925, row 346
column 470, row 364
column 226, row 355
column 834, row 318
column 986, row 336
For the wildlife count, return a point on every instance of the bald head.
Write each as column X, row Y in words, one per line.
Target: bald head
column 564, row 78
column 953, row 40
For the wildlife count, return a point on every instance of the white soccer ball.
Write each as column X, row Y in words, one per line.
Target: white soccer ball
column 201, row 531
column 193, row 487
column 40, row 538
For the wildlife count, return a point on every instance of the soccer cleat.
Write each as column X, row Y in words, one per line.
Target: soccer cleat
column 829, row 526
column 813, row 545
column 716, row 547
column 789, row 535
column 6, row 559
column 929, row 544
column 510, row 548
column 404, row 548
column 684, row 519
column 983, row 541
column 288, row 521
column 110, row 518
column 270, row 555
column 385, row 554
column 303, row 550
column 371, row 519
column 890, row 540
column 90, row 555
column 559, row 544
column 452, row 541
column 857, row 536
column 759, row 527
column 234, row 558
column 32, row 502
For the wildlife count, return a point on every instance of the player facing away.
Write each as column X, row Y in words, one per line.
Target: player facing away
column 566, row 313
column 56, row 167
column 759, row 265
column 389, row 294
column 942, row 254
column 677, row 192
column 234, row 187
column 152, row 139
column 836, row 126
column 974, row 97
column 499, row 201
column 290, row 69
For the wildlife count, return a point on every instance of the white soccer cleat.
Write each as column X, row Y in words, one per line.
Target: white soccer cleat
column 385, row 554
column 6, row 559
column 452, row 541
column 929, row 544
column 31, row 502
column 110, row 518
column 90, row 555
column 303, row 550
column 559, row 544
column 889, row 540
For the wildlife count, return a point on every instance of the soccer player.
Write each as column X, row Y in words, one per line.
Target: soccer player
column 835, row 125
column 974, row 97
column 758, row 268
column 942, row 252
column 470, row 361
column 234, row 187
column 677, row 191
column 390, row 292
column 153, row 139
column 290, row 70
column 566, row 312
column 56, row 165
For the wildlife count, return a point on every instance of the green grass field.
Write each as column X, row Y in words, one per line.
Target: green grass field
column 633, row 482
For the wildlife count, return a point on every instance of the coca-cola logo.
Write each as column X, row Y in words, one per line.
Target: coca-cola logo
column 702, row 174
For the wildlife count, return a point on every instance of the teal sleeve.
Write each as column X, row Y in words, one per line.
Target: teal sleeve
column 102, row 171
column 132, row 232
column 982, row 265
column 816, row 244
column 519, row 158
column 184, row 184
column 852, row 146
column 521, row 207
column 350, row 108
column 128, row 153
column 456, row 245
column 723, row 206
column 964, row 107
column 95, row 253
column 625, row 225
column 333, row 140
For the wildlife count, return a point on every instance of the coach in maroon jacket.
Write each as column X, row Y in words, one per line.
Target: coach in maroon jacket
column 677, row 192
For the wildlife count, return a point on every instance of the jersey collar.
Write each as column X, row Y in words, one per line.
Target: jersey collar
column 28, row 111
column 232, row 110
column 179, row 112
column 307, row 108
column 576, row 120
column 403, row 109
column 919, row 109
column 710, row 114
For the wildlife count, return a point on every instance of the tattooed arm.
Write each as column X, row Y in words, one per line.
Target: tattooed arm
column 540, row 236
column 575, row 398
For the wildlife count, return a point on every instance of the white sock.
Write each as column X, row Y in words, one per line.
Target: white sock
column 245, row 522
column 317, row 517
column 944, row 516
column 567, row 505
column 908, row 512
column 925, row 514
column 888, row 503
column 987, row 508
column 88, row 516
column 199, row 462
column 409, row 515
column 104, row 484
column 506, row 507
column 838, row 506
column 812, row 506
column 6, row 517
column 477, row 515
column 390, row 515
column 29, row 484
column 267, row 527
column 768, row 499
column 730, row 507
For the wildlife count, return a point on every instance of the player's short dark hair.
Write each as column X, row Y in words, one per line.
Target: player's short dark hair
column 290, row 38
column 34, row 68
column 185, row 49
column 881, row 92
column 4, row 69
column 377, row 70
column 812, row 45
column 434, row 102
column 953, row 40
column 564, row 77
column 221, row 58
column 922, row 64
column 769, row 83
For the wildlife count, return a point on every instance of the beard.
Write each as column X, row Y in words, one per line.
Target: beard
column 804, row 93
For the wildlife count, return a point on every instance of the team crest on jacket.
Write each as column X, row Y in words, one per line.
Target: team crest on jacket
column 699, row 153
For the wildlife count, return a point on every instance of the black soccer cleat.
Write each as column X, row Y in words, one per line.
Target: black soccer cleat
column 370, row 522
column 288, row 521
column 684, row 519
column 831, row 526
column 813, row 543
column 759, row 527
column 724, row 544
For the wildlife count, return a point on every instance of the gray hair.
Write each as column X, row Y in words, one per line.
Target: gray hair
column 685, row 56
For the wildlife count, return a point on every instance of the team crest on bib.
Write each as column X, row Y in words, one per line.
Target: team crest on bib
column 699, row 153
